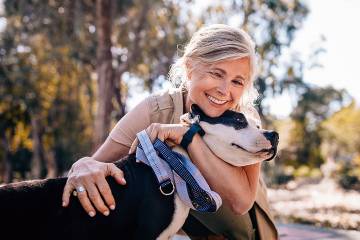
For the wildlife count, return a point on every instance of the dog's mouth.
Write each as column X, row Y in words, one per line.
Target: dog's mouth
column 238, row 146
column 270, row 151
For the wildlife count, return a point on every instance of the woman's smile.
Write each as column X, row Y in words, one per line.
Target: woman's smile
column 215, row 100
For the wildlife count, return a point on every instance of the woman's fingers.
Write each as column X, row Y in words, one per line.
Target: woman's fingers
column 153, row 131
column 105, row 191
column 115, row 172
column 95, row 198
column 85, row 203
column 170, row 132
column 104, row 187
column 170, row 143
column 68, row 189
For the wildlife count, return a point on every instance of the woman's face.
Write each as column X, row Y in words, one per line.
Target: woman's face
column 218, row 87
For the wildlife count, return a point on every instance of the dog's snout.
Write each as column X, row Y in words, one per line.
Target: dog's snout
column 273, row 137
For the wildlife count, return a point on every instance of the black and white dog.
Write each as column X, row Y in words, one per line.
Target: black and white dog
column 32, row 209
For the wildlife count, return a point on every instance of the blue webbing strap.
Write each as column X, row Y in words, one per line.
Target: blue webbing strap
column 191, row 186
column 160, row 168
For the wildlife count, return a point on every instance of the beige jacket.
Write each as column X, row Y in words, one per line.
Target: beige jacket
column 167, row 107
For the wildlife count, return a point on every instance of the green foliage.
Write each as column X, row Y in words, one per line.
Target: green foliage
column 343, row 128
column 314, row 131
column 47, row 85
column 341, row 141
column 41, row 80
column 314, row 105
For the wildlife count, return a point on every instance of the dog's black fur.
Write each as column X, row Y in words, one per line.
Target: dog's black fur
column 32, row 209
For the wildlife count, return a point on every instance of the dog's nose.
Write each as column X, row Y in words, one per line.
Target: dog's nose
column 273, row 137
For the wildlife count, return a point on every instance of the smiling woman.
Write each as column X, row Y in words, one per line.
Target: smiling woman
column 218, row 87
column 216, row 72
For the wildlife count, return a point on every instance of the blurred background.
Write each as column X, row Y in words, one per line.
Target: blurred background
column 69, row 70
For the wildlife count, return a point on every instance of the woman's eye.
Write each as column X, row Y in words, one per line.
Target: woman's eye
column 216, row 74
column 238, row 82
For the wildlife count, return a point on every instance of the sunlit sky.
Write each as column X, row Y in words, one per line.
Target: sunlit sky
column 337, row 21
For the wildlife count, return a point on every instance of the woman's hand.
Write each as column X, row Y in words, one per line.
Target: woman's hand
column 171, row 133
column 89, row 174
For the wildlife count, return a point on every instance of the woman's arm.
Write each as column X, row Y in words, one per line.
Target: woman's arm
column 90, row 172
column 236, row 185
column 110, row 151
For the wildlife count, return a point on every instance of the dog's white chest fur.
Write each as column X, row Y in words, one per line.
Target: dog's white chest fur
column 180, row 214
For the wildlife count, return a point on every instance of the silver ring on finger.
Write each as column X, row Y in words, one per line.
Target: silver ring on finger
column 80, row 189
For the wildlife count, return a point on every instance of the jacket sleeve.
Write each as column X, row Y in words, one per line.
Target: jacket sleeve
column 133, row 122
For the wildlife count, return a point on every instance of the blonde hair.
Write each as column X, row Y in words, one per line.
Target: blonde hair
column 216, row 43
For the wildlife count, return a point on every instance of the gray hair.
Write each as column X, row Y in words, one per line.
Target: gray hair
column 216, row 43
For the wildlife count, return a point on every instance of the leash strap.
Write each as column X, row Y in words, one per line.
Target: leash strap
column 191, row 186
column 149, row 156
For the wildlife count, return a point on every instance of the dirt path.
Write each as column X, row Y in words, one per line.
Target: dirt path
column 308, row 232
column 322, row 204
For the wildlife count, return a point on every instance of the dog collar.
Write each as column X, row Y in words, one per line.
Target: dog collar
column 189, row 135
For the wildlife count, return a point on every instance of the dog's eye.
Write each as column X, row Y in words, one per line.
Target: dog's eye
column 257, row 126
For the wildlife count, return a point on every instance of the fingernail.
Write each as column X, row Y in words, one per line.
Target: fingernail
column 106, row 213
column 63, row 203
column 123, row 180
column 112, row 207
column 91, row 214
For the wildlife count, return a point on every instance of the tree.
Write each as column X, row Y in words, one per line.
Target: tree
column 104, row 70
column 341, row 144
column 47, row 59
column 341, row 133
column 314, row 106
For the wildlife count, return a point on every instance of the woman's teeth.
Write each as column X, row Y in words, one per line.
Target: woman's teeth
column 216, row 101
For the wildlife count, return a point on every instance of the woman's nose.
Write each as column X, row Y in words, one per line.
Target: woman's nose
column 223, row 88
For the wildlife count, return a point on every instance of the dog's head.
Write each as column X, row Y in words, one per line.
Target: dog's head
column 234, row 138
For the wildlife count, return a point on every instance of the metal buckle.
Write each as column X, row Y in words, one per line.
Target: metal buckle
column 167, row 184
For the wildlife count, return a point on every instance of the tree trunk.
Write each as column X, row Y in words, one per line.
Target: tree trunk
column 104, row 71
column 36, row 163
column 50, row 164
column 8, row 173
